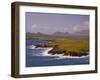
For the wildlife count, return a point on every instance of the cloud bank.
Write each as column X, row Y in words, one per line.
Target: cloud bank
column 81, row 27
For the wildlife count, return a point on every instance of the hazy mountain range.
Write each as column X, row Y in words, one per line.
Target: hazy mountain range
column 80, row 34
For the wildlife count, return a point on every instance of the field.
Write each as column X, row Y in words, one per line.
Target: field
column 67, row 43
column 72, row 44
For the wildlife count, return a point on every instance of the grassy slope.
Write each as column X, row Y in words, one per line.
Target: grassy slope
column 81, row 46
column 67, row 43
column 73, row 44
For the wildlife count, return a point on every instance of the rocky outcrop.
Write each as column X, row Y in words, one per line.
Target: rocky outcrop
column 57, row 50
column 73, row 53
column 43, row 46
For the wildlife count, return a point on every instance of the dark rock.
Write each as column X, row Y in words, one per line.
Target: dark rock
column 83, row 53
column 74, row 53
column 57, row 50
column 42, row 46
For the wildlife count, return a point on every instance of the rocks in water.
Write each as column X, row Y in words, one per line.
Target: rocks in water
column 83, row 53
column 57, row 50
column 76, row 53
column 73, row 53
column 43, row 46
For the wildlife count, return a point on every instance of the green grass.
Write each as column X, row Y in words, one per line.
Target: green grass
column 67, row 43
column 72, row 44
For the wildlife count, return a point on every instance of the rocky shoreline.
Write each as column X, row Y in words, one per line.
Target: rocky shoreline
column 57, row 50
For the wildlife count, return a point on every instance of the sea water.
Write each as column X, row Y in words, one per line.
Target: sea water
column 37, row 57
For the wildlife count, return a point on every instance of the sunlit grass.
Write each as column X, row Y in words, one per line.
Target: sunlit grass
column 72, row 44
column 66, row 43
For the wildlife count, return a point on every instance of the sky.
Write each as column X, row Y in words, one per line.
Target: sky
column 49, row 23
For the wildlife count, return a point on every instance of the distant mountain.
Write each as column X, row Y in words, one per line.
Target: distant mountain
column 79, row 34
column 31, row 35
column 60, row 34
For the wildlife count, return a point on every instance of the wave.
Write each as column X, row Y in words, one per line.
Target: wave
column 43, row 52
column 31, row 47
column 76, row 56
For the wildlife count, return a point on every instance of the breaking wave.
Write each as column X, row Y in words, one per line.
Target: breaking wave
column 43, row 52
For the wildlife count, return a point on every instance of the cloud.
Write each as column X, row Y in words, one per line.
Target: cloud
column 84, row 26
column 34, row 26
column 81, row 27
column 37, row 28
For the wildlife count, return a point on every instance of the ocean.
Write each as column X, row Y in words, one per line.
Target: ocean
column 38, row 57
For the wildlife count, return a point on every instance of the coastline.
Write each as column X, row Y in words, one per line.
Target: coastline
column 50, row 54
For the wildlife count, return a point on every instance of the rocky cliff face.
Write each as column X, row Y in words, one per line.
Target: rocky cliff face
column 57, row 50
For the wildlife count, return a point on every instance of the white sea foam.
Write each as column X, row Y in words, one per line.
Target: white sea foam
column 31, row 47
column 76, row 56
column 44, row 52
